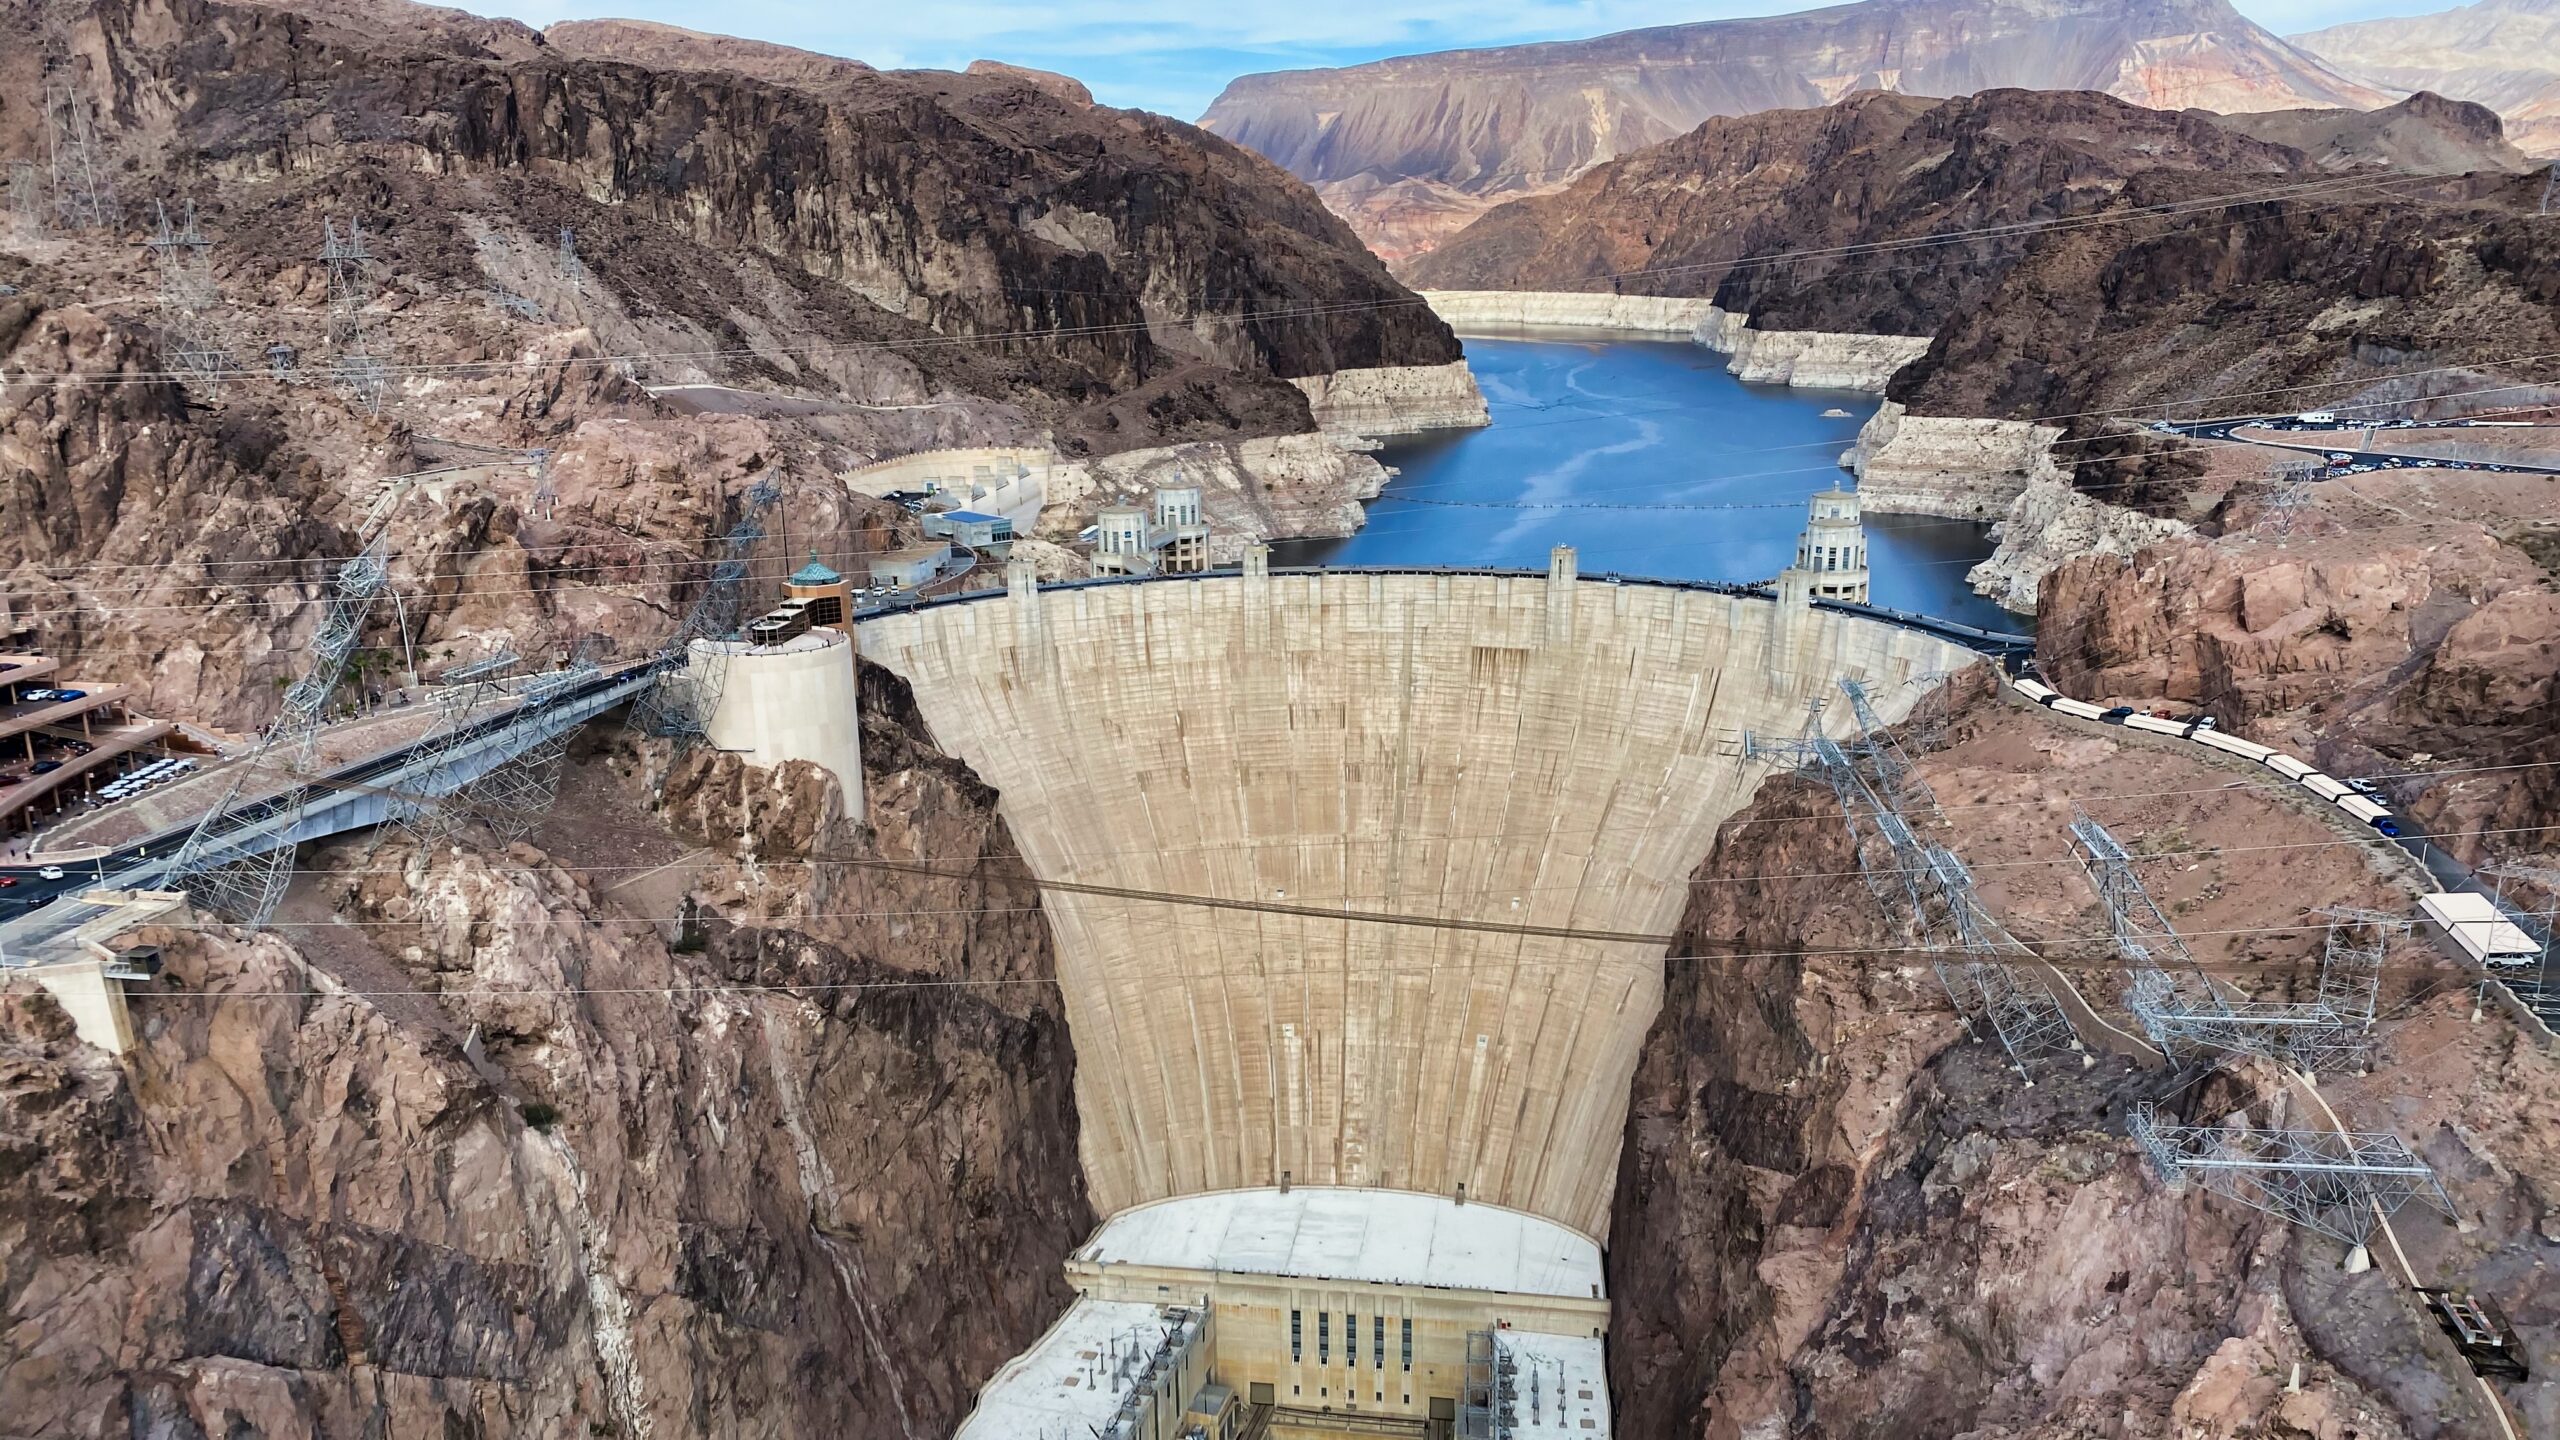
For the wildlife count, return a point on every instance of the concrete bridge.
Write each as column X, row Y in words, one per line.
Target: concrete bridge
column 355, row 797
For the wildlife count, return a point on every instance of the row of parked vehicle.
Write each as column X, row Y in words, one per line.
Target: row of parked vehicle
column 40, row 695
column 2355, row 797
column 158, row 772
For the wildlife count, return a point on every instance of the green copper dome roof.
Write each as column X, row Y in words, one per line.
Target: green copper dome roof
column 814, row 573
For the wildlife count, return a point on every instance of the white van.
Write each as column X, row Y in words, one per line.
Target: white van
column 2473, row 927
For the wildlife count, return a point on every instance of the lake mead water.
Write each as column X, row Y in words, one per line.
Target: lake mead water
column 1593, row 437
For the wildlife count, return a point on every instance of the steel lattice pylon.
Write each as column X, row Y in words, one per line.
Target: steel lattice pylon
column 357, row 367
column 514, row 796
column 685, row 697
column 2351, row 956
column 2340, row 1185
column 246, row 888
column 26, row 206
column 426, row 810
column 1924, row 888
column 84, row 196
column 2179, row 1007
column 180, row 253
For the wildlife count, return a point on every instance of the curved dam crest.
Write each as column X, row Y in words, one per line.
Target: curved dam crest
column 1523, row 750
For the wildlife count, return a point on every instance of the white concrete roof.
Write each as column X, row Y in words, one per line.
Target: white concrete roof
column 1045, row 1390
column 1394, row 1237
column 1561, row 1389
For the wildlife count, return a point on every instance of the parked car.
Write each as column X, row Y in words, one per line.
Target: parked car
column 44, row 767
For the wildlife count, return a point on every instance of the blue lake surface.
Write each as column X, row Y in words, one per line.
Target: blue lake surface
column 1615, row 430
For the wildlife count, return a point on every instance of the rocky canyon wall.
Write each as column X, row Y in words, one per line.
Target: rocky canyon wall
column 1937, row 465
column 466, row 1148
column 1405, row 400
column 1810, row 359
column 1838, row 1218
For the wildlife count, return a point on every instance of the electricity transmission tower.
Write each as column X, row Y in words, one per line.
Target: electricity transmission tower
column 513, row 797
column 26, row 204
column 1924, row 888
column 573, row 271
column 243, row 876
column 179, row 253
column 2341, row 1185
column 2291, row 492
column 84, row 196
column 683, row 699
column 426, row 809
column 546, row 497
column 2179, row 1007
column 211, row 866
column 357, row 367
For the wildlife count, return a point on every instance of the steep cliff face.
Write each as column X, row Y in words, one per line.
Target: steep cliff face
column 1836, row 1217
column 479, row 1154
column 1831, row 1223
column 1481, row 125
column 1126, row 244
column 1876, row 174
column 2386, row 652
column 2504, row 54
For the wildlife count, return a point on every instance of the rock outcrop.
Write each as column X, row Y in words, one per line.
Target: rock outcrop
column 1284, row 487
column 1836, row 1219
column 1812, row 359
column 2399, row 653
column 493, row 1159
column 1474, row 311
column 1031, row 224
column 1478, row 125
column 1894, row 212
column 2050, row 524
column 1403, row 401
column 1961, row 469
column 2425, row 134
column 1769, row 357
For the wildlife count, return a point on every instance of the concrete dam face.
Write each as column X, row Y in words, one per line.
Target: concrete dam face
column 1539, row 751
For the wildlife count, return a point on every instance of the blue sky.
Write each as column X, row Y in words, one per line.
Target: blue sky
column 1174, row 55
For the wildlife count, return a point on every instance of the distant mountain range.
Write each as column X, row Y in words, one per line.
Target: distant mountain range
column 2504, row 54
column 1410, row 149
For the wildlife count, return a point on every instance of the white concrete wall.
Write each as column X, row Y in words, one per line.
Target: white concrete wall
column 955, row 471
column 1507, row 750
column 95, row 1003
column 791, row 702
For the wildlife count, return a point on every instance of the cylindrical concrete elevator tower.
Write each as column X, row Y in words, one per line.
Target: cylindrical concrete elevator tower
column 794, row 701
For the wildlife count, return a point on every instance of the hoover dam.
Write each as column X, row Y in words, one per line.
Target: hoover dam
column 1490, row 776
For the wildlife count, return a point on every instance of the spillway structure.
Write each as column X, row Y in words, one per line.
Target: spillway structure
column 1357, row 1120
